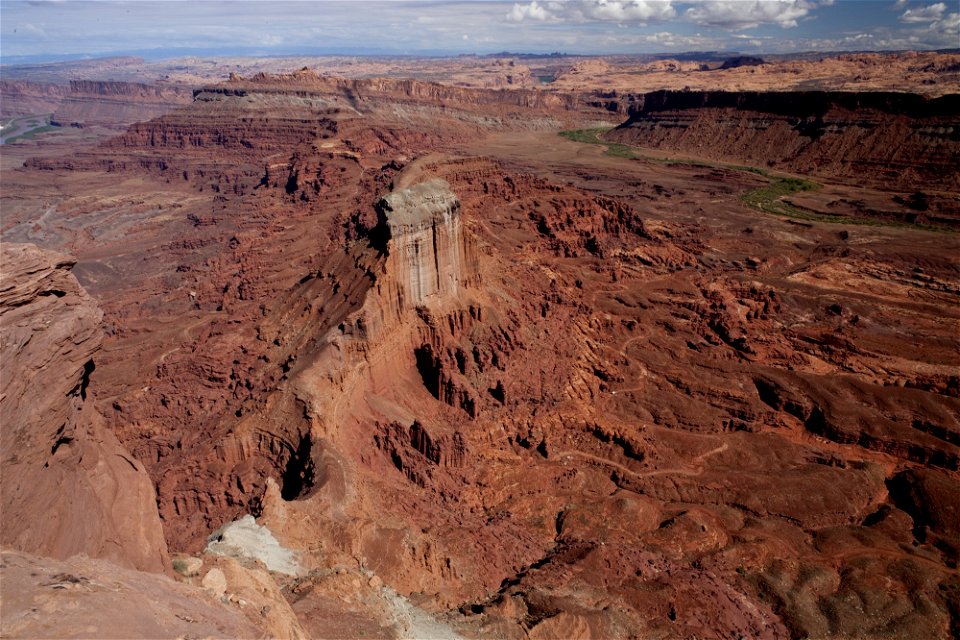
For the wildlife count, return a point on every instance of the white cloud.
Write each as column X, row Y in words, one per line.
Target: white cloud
column 946, row 32
column 929, row 13
column 580, row 11
column 532, row 11
column 676, row 41
column 951, row 23
column 739, row 14
column 641, row 11
column 728, row 14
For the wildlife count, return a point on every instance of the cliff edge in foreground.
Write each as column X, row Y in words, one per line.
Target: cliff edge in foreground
column 68, row 486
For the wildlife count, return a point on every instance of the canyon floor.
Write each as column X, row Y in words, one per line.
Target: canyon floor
column 486, row 357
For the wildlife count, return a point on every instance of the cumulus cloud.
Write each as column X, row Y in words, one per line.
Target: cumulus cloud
column 642, row 11
column 951, row 23
column 618, row 11
column 730, row 14
column 738, row 14
column 929, row 13
column 532, row 11
column 932, row 25
column 946, row 31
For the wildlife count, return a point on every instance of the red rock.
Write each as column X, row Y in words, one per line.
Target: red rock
column 69, row 486
column 80, row 596
column 583, row 394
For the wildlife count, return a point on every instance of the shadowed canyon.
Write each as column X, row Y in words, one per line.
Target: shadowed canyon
column 297, row 348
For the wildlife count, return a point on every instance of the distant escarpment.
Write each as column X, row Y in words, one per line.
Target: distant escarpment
column 24, row 98
column 108, row 103
column 895, row 139
column 69, row 487
column 247, row 134
column 104, row 103
column 368, row 91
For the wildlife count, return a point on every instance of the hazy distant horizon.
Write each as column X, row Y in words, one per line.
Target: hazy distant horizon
column 153, row 57
column 65, row 30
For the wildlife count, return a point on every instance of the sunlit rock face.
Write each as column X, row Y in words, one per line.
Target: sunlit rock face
column 69, row 487
column 426, row 243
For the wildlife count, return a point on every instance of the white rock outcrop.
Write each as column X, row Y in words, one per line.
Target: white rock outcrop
column 244, row 538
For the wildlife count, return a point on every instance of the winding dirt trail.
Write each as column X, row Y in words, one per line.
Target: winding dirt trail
column 680, row 471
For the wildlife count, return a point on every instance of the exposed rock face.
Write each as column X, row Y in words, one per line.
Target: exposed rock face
column 889, row 138
column 91, row 102
column 116, row 104
column 365, row 93
column 69, row 487
column 82, row 597
column 24, row 98
column 244, row 538
column 426, row 243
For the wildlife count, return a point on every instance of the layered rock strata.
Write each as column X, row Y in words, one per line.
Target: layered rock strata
column 82, row 103
column 426, row 244
column 898, row 139
column 116, row 104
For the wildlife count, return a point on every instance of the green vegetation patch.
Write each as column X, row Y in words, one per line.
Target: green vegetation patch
column 768, row 199
column 33, row 126
column 27, row 135
column 592, row 136
column 589, row 136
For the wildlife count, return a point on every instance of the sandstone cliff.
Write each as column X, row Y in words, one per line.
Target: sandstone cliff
column 91, row 102
column 369, row 90
column 426, row 241
column 894, row 139
column 24, row 98
column 116, row 104
column 69, row 486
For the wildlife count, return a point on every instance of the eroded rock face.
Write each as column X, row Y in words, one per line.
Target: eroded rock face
column 116, row 104
column 887, row 138
column 426, row 241
column 69, row 486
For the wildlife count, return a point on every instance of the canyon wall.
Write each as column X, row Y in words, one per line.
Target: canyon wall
column 897, row 140
column 112, row 104
column 25, row 98
column 368, row 90
column 82, row 103
column 69, row 486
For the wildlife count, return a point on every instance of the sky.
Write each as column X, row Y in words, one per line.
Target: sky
column 63, row 29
